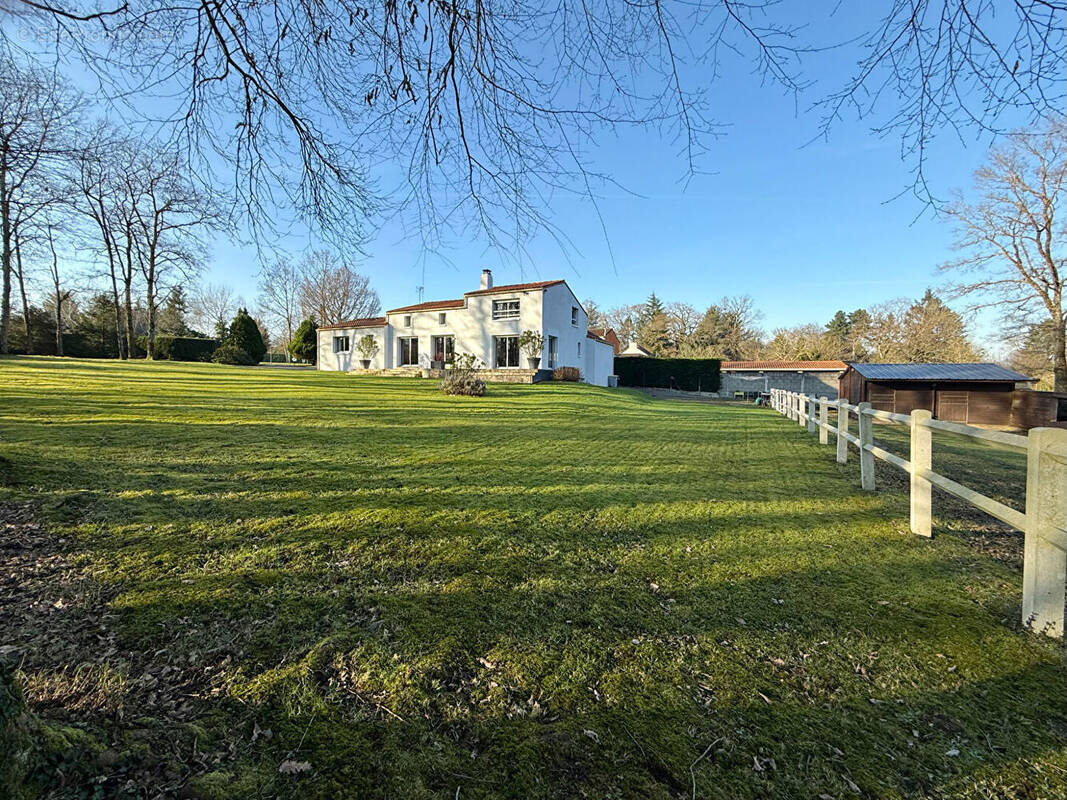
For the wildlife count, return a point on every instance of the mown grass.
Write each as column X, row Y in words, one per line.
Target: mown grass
column 552, row 591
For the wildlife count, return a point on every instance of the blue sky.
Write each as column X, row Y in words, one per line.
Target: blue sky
column 803, row 227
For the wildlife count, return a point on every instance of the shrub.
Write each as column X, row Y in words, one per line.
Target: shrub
column 180, row 348
column 230, row 354
column 531, row 343
column 689, row 374
column 566, row 374
column 367, row 347
column 244, row 334
column 462, row 378
column 305, row 341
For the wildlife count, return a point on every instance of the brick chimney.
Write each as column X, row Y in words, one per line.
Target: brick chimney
column 487, row 279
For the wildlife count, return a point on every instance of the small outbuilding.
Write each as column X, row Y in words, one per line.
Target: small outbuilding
column 750, row 378
column 979, row 394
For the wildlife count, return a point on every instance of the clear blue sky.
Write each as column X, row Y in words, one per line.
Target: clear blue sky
column 803, row 228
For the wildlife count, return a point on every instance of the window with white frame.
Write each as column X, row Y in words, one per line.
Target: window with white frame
column 505, row 309
column 341, row 344
column 507, row 351
column 409, row 351
column 441, row 318
column 553, row 351
column 407, row 320
column 574, row 316
column 579, row 349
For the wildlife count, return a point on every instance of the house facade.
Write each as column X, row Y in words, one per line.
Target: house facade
column 485, row 323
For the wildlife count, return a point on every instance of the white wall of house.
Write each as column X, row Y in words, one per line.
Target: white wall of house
column 599, row 362
column 571, row 338
column 329, row 360
column 553, row 311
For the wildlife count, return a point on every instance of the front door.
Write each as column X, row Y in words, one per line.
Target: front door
column 444, row 348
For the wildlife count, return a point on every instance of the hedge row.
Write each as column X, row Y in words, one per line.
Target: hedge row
column 688, row 374
column 181, row 348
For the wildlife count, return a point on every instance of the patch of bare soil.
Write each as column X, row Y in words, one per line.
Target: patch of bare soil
column 137, row 709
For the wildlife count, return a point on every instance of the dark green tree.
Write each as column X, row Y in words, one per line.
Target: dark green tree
column 244, row 334
column 172, row 315
column 304, row 343
column 96, row 324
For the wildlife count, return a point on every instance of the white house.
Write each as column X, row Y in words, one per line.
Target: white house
column 485, row 323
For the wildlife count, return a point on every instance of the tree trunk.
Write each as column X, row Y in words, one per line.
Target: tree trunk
column 127, row 287
column 5, row 256
column 25, row 301
column 1059, row 355
column 59, row 323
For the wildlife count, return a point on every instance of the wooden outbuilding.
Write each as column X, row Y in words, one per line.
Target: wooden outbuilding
column 976, row 394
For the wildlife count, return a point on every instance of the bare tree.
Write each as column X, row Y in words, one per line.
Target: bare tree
column 490, row 106
column 332, row 291
column 170, row 218
column 35, row 111
column 1014, row 235
column 279, row 294
column 98, row 177
column 213, row 306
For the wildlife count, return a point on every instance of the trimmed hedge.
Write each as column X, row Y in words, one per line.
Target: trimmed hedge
column 180, row 348
column 688, row 374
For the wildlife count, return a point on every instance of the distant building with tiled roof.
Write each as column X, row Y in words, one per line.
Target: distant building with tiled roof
column 486, row 323
column 608, row 335
column 750, row 378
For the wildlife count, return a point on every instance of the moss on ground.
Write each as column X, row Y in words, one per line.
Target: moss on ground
column 296, row 584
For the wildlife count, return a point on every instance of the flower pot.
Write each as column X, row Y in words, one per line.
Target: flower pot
column 535, row 363
column 366, row 363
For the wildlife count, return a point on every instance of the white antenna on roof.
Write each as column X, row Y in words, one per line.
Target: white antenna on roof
column 420, row 290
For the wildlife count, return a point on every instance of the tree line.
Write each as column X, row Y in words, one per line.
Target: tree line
column 903, row 330
column 1011, row 235
column 103, row 238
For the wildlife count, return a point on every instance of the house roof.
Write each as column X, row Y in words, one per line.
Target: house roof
column 938, row 372
column 363, row 322
column 515, row 287
column 430, row 305
column 792, row 366
column 434, row 305
column 590, row 335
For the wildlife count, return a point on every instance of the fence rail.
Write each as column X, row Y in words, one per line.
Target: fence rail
column 1044, row 522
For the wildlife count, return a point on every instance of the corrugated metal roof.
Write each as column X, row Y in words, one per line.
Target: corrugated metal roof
column 793, row 366
column 938, row 372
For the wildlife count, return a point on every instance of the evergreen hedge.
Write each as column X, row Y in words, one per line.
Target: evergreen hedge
column 688, row 374
column 180, row 348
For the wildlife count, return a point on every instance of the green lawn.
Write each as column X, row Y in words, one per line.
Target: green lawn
column 551, row 591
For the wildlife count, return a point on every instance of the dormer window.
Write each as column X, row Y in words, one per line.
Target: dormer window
column 407, row 320
column 505, row 309
column 574, row 316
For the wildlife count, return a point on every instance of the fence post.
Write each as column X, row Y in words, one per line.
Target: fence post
column 812, row 418
column 824, row 420
column 800, row 410
column 866, row 456
column 1044, row 558
column 921, row 458
column 842, row 428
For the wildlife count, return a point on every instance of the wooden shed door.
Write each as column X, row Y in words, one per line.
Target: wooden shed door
column 952, row 406
column 881, row 399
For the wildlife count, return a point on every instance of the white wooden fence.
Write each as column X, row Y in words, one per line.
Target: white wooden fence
column 1044, row 523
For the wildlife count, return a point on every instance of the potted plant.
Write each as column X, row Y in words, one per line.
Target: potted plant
column 368, row 349
column 532, row 344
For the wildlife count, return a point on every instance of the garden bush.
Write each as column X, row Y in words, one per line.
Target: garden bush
column 231, row 354
column 462, row 377
column 566, row 374
column 244, row 334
